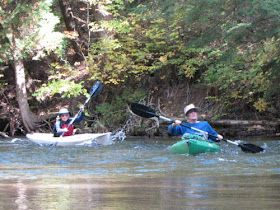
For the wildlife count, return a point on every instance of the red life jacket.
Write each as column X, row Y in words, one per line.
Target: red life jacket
column 70, row 129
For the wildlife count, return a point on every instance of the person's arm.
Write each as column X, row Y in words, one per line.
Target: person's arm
column 80, row 118
column 82, row 115
column 211, row 131
column 58, row 128
column 173, row 129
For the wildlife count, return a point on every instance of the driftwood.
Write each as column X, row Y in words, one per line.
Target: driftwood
column 247, row 127
column 246, row 122
column 241, row 128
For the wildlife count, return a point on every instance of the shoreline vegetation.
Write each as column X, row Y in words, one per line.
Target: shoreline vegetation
column 222, row 56
column 229, row 128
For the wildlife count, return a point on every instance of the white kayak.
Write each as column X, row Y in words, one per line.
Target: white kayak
column 49, row 139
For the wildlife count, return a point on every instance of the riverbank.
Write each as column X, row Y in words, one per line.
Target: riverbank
column 246, row 128
column 237, row 128
column 228, row 128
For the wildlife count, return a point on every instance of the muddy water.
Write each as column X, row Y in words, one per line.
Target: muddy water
column 137, row 174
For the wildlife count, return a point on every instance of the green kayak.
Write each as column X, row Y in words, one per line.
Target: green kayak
column 193, row 145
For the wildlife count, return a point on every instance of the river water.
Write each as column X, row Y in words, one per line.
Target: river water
column 137, row 174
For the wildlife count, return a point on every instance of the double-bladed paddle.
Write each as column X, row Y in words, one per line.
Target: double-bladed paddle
column 94, row 91
column 147, row 112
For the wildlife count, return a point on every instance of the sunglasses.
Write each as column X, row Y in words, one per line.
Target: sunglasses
column 64, row 115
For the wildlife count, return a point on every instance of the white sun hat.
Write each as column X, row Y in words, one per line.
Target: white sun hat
column 64, row 111
column 190, row 107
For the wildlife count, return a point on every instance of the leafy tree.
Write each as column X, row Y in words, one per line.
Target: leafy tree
column 232, row 46
column 239, row 66
column 145, row 42
column 112, row 113
column 27, row 32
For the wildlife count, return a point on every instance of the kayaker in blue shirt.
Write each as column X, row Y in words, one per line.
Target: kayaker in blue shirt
column 191, row 113
column 64, row 120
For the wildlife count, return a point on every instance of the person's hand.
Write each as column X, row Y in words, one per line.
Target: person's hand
column 82, row 108
column 176, row 123
column 65, row 129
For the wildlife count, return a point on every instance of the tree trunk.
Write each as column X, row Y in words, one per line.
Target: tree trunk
column 28, row 118
column 70, row 25
column 100, row 14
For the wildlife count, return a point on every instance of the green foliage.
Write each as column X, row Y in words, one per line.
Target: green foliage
column 231, row 44
column 29, row 29
column 62, row 87
column 240, row 64
column 2, row 83
column 144, row 44
column 261, row 105
column 112, row 114
column 249, row 76
column 267, row 64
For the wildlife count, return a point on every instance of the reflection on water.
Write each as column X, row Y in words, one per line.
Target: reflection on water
column 137, row 174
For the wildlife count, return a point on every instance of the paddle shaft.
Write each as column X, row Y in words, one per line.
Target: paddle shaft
column 74, row 118
column 245, row 147
column 172, row 121
column 77, row 114
column 151, row 113
column 148, row 112
column 196, row 129
column 190, row 127
column 93, row 92
column 193, row 128
column 71, row 123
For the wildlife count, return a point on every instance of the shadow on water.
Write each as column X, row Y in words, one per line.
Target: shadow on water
column 135, row 174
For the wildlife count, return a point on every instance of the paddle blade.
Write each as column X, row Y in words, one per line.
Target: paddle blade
column 250, row 148
column 143, row 110
column 96, row 89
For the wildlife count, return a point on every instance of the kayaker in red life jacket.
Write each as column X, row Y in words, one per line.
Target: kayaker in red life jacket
column 64, row 120
column 191, row 113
